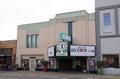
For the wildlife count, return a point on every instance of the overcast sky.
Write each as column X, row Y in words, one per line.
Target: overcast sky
column 17, row 12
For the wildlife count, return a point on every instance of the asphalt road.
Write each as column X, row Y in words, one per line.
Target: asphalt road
column 7, row 77
column 38, row 77
column 48, row 75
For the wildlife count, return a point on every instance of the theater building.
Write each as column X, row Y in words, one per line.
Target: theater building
column 7, row 54
column 67, row 41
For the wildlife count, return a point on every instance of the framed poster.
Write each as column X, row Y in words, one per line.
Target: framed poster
column 51, row 51
column 91, row 64
column 52, row 63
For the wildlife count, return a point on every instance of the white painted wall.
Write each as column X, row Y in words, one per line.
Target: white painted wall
column 110, row 45
column 111, row 11
column 102, row 3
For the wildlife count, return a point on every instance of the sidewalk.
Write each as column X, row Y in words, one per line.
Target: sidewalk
column 83, row 75
column 59, row 74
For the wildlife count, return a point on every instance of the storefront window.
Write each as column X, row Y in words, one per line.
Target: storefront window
column 25, row 64
column 111, row 61
column 38, row 64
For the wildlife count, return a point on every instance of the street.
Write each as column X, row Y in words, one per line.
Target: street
column 26, row 77
column 41, row 78
column 52, row 75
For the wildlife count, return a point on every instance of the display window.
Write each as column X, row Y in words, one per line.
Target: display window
column 111, row 61
column 25, row 64
column 38, row 64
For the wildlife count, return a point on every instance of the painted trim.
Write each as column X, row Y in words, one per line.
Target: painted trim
column 110, row 36
column 42, row 55
column 82, row 45
column 107, row 7
column 116, row 20
column 110, row 54
column 98, row 45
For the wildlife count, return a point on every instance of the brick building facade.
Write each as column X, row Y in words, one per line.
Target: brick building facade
column 7, row 54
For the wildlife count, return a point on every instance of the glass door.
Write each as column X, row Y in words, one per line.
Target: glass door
column 32, row 64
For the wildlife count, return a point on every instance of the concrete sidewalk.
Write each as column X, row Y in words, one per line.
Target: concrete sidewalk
column 83, row 75
column 70, row 75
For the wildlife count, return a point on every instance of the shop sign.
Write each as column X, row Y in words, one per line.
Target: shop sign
column 82, row 50
column 51, row 51
column 65, row 37
column 61, row 49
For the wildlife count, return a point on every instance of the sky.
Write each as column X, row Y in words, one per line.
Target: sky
column 18, row 12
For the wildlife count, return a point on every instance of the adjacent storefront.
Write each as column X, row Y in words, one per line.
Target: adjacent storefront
column 7, row 54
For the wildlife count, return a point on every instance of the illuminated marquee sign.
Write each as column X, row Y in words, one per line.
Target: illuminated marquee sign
column 82, row 50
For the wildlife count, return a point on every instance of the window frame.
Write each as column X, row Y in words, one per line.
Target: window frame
column 107, row 22
column 33, row 41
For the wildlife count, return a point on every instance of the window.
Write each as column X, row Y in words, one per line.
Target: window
column 107, row 19
column 29, row 41
column 111, row 61
column 25, row 64
column 38, row 64
column 107, row 22
column 70, row 30
column 32, row 41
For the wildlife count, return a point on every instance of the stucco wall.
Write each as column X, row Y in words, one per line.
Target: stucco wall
column 91, row 33
column 55, row 29
column 110, row 45
column 79, row 32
